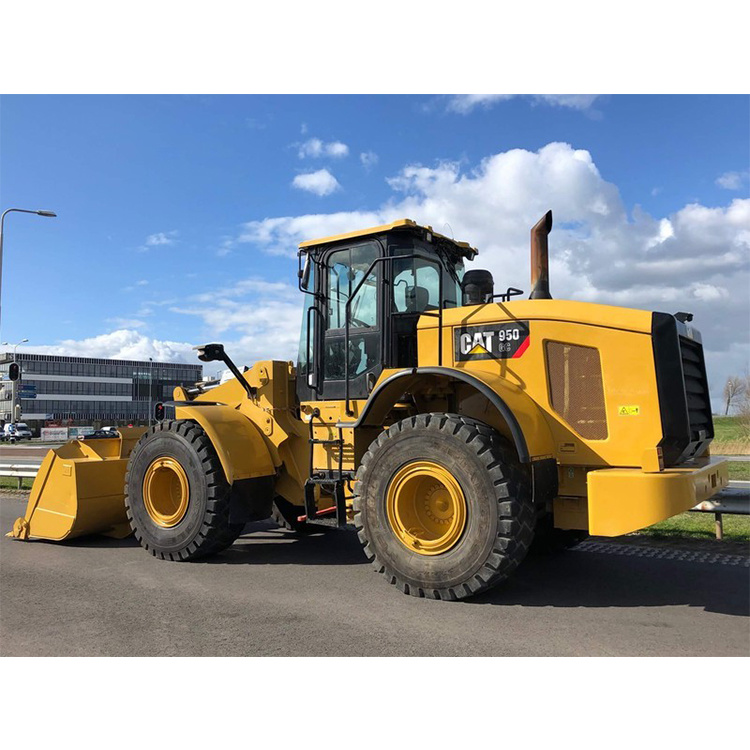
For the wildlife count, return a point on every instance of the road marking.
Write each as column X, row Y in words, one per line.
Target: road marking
column 662, row 553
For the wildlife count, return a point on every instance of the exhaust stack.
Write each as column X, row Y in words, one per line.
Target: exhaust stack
column 540, row 258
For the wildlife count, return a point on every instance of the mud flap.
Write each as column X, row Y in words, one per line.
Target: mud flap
column 251, row 499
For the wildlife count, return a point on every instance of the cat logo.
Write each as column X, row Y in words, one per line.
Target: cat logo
column 496, row 341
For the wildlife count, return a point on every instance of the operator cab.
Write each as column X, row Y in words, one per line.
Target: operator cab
column 366, row 291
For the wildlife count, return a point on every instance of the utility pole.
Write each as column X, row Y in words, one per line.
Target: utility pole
column 150, row 383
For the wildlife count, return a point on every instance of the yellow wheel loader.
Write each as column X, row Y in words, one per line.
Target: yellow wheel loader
column 452, row 425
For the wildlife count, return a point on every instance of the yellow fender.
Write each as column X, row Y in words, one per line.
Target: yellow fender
column 520, row 407
column 238, row 442
column 526, row 421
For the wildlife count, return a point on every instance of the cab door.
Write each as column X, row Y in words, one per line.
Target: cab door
column 352, row 285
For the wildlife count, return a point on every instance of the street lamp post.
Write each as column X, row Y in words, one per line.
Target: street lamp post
column 50, row 214
column 15, row 346
column 150, row 382
column 14, row 383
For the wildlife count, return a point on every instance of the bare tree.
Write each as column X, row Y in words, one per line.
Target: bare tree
column 734, row 389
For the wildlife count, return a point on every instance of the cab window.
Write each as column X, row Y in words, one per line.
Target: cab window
column 346, row 269
column 350, row 280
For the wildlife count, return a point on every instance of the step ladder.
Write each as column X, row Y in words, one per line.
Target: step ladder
column 335, row 477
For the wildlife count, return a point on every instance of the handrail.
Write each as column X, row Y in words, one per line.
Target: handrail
column 311, row 360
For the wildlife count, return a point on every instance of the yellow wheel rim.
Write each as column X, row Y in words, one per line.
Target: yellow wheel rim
column 166, row 492
column 426, row 507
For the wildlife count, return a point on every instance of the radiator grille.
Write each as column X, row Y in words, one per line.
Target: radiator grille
column 576, row 388
column 696, row 389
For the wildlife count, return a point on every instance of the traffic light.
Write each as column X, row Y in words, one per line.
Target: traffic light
column 14, row 371
column 17, row 413
column 159, row 412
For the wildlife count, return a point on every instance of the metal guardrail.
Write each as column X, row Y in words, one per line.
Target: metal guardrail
column 20, row 471
column 732, row 500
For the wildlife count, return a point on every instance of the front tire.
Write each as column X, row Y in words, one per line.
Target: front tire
column 176, row 494
column 443, row 507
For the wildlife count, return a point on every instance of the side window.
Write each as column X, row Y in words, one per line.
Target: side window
column 416, row 286
column 338, row 288
column 346, row 270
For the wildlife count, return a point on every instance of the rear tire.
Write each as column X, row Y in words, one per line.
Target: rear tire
column 432, row 461
column 176, row 494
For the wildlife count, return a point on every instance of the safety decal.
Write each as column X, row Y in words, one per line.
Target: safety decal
column 492, row 341
column 628, row 411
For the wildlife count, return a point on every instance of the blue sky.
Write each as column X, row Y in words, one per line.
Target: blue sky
column 174, row 211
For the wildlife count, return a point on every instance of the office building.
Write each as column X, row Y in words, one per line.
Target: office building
column 88, row 391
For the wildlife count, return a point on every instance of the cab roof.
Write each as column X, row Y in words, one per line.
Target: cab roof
column 406, row 225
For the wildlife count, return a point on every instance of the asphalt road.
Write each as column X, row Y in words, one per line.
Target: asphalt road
column 24, row 453
column 273, row 593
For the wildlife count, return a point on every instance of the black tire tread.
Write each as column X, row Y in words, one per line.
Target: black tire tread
column 216, row 533
column 508, row 477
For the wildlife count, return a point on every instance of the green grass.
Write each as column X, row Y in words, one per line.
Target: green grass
column 729, row 428
column 11, row 483
column 700, row 526
column 739, row 470
column 731, row 436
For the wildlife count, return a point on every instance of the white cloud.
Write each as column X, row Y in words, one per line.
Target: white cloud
column 696, row 259
column 336, row 149
column 121, row 344
column 280, row 236
column 369, row 159
column 226, row 246
column 465, row 103
column 708, row 292
column 320, row 183
column 256, row 319
column 665, row 231
column 731, row 180
column 315, row 148
column 141, row 282
column 159, row 239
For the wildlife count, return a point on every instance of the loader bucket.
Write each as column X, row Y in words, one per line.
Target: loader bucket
column 80, row 489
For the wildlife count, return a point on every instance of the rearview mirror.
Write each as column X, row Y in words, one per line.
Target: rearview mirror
column 305, row 273
column 210, row 352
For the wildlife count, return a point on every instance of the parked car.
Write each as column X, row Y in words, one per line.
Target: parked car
column 23, row 430
column 12, row 433
column 100, row 434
